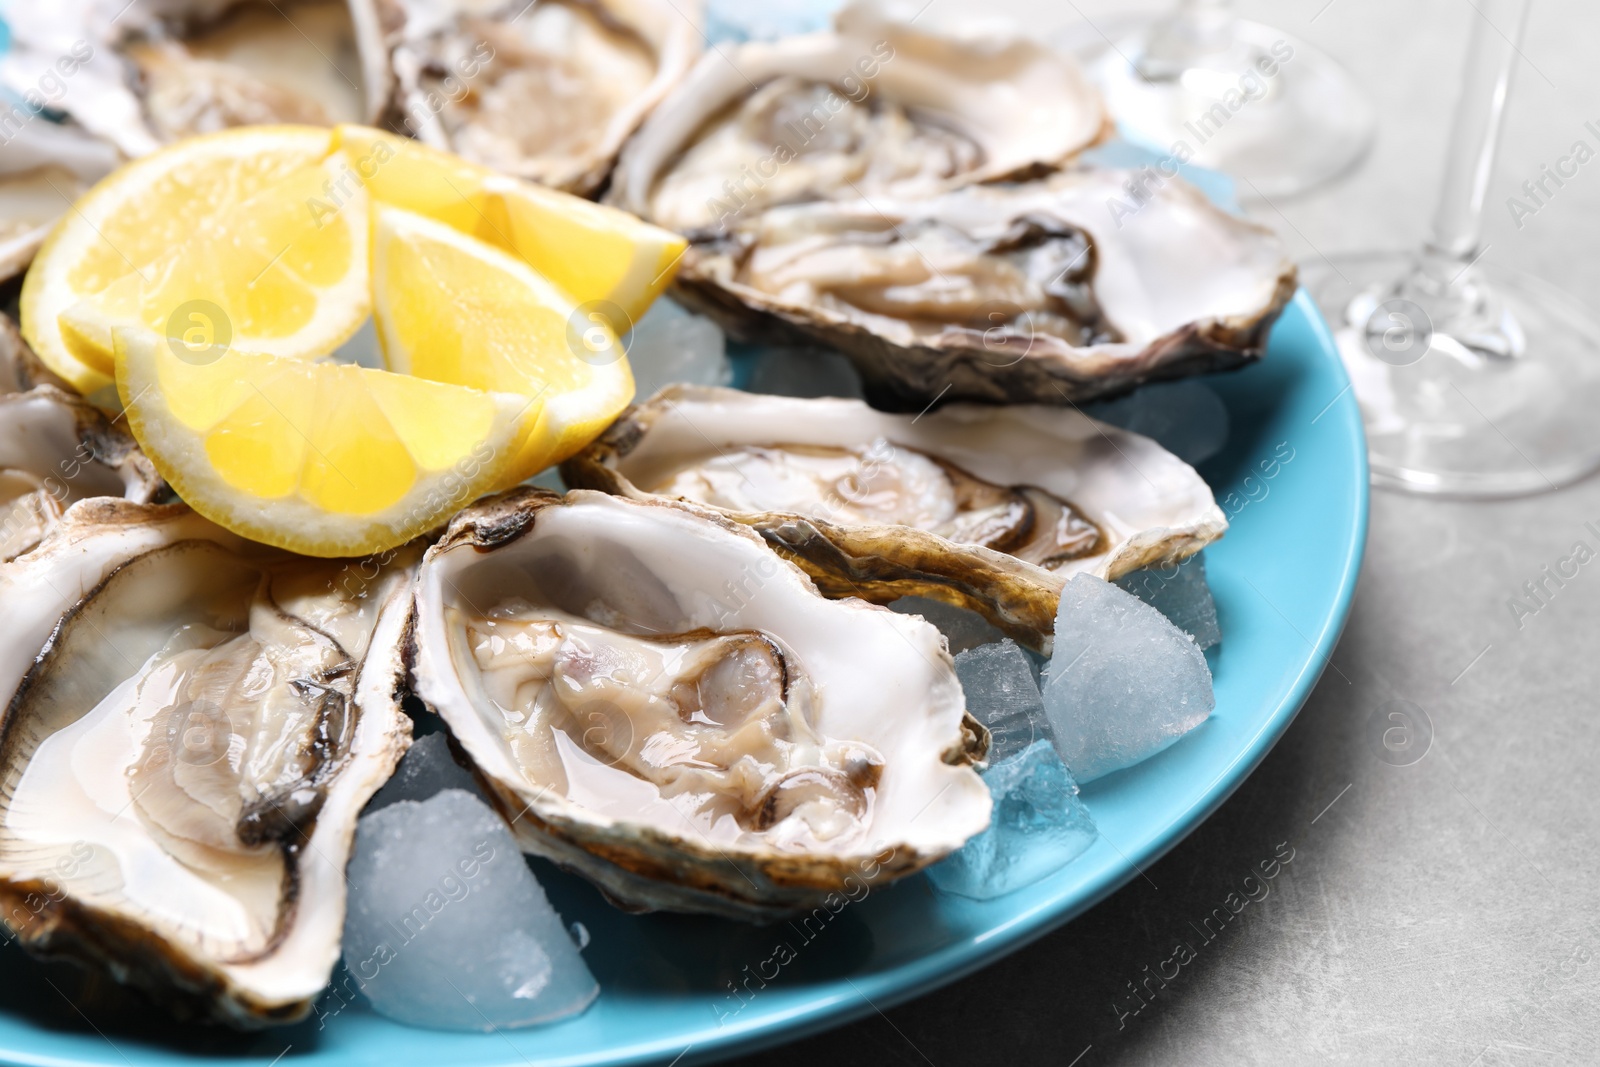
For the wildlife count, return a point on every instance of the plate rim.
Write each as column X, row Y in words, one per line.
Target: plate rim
column 927, row 973
column 890, row 987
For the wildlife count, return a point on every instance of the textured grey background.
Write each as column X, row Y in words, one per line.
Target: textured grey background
column 1443, row 912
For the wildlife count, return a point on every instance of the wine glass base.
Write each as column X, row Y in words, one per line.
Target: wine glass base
column 1282, row 133
column 1444, row 414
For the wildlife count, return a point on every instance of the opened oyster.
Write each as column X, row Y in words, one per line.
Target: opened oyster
column 44, row 168
column 144, row 74
column 20, row 367
column 663, row 705
column 987, row 508
column 881, row 106
column 193, row 724
column 55, row 450
column 1037, row 292
column 540, row 89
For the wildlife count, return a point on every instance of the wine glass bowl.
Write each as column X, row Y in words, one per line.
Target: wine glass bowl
column 1236, row 96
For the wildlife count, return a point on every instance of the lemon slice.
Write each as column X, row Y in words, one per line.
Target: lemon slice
column 137, row 215
column 597, row 254
column 325, row 459
column 282, row 273
column 452, row 308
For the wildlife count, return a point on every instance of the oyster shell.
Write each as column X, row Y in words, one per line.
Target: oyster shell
column 149, row 73
column 882, row 106
column 20, row 367
column 55, row 450
column 193, row 724
column 43, row 168
column 988, row 508
column 540, row 89
column 663, row 705
column 1037, row 292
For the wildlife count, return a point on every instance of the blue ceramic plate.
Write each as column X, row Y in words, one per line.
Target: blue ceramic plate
column 1293, row 480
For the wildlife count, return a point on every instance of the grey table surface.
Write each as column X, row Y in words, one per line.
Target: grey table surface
column 1443, row 912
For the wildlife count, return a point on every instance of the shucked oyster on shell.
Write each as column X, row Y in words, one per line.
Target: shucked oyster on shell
column 887, row 104
column 159, row 70
column 193, row 724
column 540, row 89
column 55, row 450
column 663, row 705
column 988, row 508
column 1037, row 292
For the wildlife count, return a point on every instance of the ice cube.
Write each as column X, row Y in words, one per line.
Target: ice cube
column 673, row 345
column 549, row 478
column 962, row 629
column 1123, row 683
column 1180, row 592
column 804, row 372
column 1187, row 418
column 1039, row 826
column 1003, row 694
column 446, row 926
column 426, row 769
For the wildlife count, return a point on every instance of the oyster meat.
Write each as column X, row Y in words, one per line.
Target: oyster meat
column 881, row 106
column 662, row 704
column 540, row 89
column 988, row 508
column 55, row 450
column 193, row 724
column 1037, row 292
column 158, row 70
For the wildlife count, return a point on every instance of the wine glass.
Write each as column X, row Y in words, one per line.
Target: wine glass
column 1473, row 381
column 1243, row 98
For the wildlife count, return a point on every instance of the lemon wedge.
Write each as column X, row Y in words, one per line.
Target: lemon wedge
column 452, row 308
column 271, row 275
column 596, row 254
column 140, row 213
column 325, row 459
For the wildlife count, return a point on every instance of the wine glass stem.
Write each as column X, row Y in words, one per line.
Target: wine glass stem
column 1475, row 135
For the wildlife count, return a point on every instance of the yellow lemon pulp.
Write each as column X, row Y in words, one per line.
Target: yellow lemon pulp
column 264, row 249
column 326, row 459
column 271, row 275
column 451, row 308
column 138, row 215
column 592, row 252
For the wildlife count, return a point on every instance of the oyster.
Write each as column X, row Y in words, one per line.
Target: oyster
column 1036, row 292
column 988, row 508
column 540, row 89
column 149, row 73
column 43, row 168
column 193, row 724
column 55, row 450
column 20, row 367
column 881, row 106
column 663, row 705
